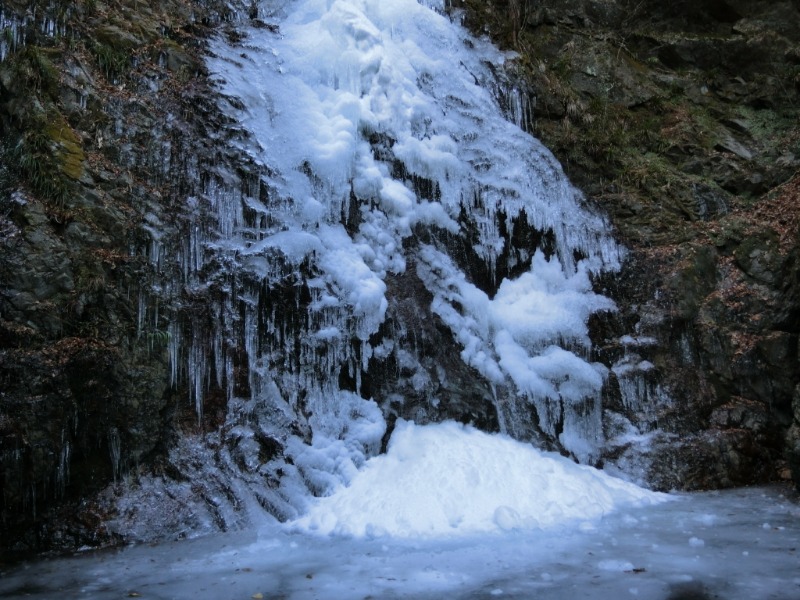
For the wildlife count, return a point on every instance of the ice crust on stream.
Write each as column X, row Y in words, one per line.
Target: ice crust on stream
column 734, row 544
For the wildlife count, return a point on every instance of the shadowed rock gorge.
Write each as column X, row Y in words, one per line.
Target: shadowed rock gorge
column 128, row 367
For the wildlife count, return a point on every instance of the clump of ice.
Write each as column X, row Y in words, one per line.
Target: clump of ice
column 450, row 479
column 346, row 430
column 615, row 565
column 534, row 331
column 696, row 542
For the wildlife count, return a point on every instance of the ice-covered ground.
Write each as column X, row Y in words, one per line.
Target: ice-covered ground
column 739, row 544
column 596, row 537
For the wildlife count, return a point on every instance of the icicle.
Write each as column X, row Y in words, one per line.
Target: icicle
column 520, row 108
column 11, row 34
column 62, row 472
column 115, row 451
column 173, row 346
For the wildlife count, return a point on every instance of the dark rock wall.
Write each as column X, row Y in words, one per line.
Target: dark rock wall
column 99, row 103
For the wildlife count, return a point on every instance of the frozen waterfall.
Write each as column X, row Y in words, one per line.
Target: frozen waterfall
column 391, row 157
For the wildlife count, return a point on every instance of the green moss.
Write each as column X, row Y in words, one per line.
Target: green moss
column 68, row 146
column 46, row 155
column 32, row 69
column 771, row 125
column 648, row 171
column 38, row 147
column 113, row 62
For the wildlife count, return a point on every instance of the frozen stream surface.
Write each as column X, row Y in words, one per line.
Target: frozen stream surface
column 577, row 533
column 738, row 544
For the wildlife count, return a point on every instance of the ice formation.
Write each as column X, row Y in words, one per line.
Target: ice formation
column 359, row 102
column 14, row 29
column 389, row 140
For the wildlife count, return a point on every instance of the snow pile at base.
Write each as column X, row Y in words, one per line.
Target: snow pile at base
column 450, row 479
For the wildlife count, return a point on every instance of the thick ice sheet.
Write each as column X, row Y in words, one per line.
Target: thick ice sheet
column 733, row 545
column 450, row 479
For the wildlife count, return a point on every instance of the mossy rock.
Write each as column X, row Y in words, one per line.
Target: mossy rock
column 176, row 58
column 728, row 232
column 759, row 257
column 68, row 146
column 118, row 38
column 694, row 281
column 30, row 71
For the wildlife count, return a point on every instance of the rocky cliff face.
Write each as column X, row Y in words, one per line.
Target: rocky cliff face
column 99, row 105
column 679, row 122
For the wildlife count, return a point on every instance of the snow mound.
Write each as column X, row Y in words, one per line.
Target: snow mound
column 449, row 479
